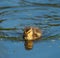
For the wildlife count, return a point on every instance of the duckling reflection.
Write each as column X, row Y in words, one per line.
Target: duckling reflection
column 31, row 34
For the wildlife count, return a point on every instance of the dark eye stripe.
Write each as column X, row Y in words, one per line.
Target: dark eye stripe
column 35, row 35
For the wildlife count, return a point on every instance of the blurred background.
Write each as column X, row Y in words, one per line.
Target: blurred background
column 17, row 14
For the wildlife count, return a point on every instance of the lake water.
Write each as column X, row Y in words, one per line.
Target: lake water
column 17, row 14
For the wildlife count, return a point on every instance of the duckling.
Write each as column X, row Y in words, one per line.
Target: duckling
column 31, row 34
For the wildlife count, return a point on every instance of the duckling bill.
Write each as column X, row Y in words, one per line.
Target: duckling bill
column 31, row 34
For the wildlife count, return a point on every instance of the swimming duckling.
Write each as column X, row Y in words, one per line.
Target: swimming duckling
column 31, row 34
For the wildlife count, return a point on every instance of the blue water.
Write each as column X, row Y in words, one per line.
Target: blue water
column 17, row 14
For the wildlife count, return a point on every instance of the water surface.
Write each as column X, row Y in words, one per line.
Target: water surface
column 16, row 14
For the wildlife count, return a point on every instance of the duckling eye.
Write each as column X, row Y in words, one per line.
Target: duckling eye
column 28, row 31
